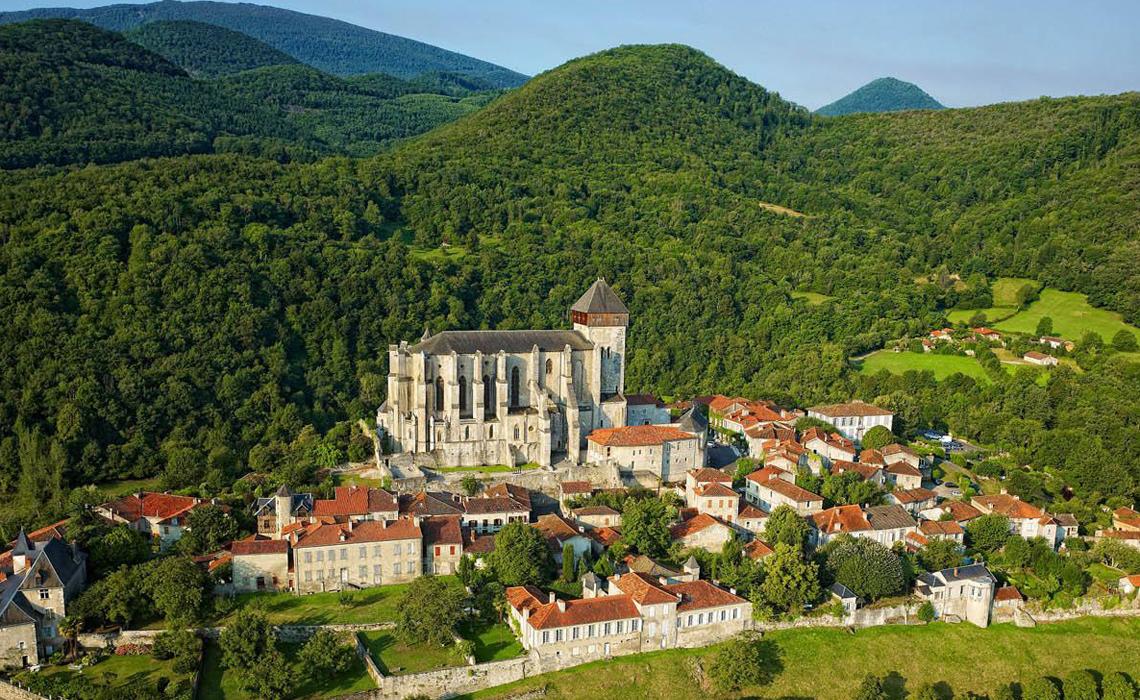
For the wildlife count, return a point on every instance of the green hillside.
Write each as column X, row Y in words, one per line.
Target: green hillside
column 330, row 45
column 881, row 95
column 201, row 316
column 76, row 93
column 206, row 50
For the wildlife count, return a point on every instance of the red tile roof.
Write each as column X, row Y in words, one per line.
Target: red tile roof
column 700, row 594
column 750, row 512
column 643, row 589
column 584, row 611
column 716, row 489
column 705, row 474
column 902, row 469
column 444, row 529
column 604, row 536
column 763, row 476
column 520, row 494
column 594, row 510
column 790, row 490
column 867, row 471
column 493, row 504
column 695, row 524
column 1009, row 506
column 555, row 527
column 872, row 457
column 160, row 506
column 895, row 448
column 940, row 527
column 1007, row 593
column 638, row 435
column 356, row 500
column 757, row 550
column 367, row 531
column 912, row 495
column 576, row 487
column 840, row 519
column 961, row 511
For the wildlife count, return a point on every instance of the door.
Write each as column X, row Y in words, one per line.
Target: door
column 344, row 575
column 261, row 583
column 607, row 649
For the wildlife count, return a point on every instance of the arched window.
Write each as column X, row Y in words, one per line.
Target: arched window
column 463, row 394
column 439, row 393
column 516, row 432
column 488, row 396
column 514, row 387
column 549, row 366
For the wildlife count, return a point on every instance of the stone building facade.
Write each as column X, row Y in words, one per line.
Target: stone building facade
column 368, row 553
column 474, row 398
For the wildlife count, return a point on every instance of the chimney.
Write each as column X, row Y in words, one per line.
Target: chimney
column 551, row 597
column 561, row 605
column 732, row 590
column 350, row 524
column 343, row 536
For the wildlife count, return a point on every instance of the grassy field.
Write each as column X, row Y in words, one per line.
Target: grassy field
column 369, row 605
column 828, row 664
column 216, row 683
column 122, row 671
column 942, row 365
column 994, row 314
column 395, row 658
column 813, row 298
column 492, row 642
column 1072, row 317
column 1005, row 301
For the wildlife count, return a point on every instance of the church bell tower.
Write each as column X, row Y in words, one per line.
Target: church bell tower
column 602, row 318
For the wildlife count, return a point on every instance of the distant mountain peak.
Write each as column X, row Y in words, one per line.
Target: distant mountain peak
column 882, row 95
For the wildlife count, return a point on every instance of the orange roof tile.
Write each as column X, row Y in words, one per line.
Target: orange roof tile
column 840, row 519
column 704, row 474
column 940, row 527
column 1009, row 506
column 356, row 500
column 912, row 495
column 695, row 524
column 790, row 490
column 584, row 611
column 762, row 476
column 367, row 531
column 576, row 487
column 1008, row 593
column 643, row 589
column 638, row 435
column 757, row 550
column 718, row 490
column 700, row 594
column 245, row 548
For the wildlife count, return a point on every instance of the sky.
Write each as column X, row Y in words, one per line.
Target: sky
column 963, row 53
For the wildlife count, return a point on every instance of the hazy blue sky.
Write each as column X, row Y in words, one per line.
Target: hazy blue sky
column 812, row 52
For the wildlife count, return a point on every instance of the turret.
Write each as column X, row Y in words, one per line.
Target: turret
column 602, row 317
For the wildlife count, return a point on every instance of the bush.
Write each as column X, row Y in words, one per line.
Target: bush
column 1041, row 689
column 877, row 438
column 865, row 566
column 926, row 612
column 746, row 661
column 1080, row 685
column 324, row 654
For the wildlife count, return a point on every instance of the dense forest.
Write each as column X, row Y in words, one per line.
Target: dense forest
column 206, row 50
column 79, row 94
column 327, row 44
column 881, row 95
column 189, row 317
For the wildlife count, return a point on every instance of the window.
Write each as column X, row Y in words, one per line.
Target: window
column 736, row 613
column 308, row 576
column 439, row 393
column 343, row 553
column 620, row 625
column 363, row 573
column 308, row 557
column 396, row 548
column 320, row 555
column 321, row 575
column 574, row 633
column 396, row 568
column 689, row 621
column 516, row 432
column 466, row 432
column 363, row 552
column 490, row 431
column 463, row 394
column 545, row 637
column 488, row 396
column 438, row 551
column 723, row 615
column 634, row 625
column 514, row 395
column 606, row 629
column 590, row 631
column 376, row 551
column 549, row 367
column 453, row 550
column 45, row 594
column 558, row 635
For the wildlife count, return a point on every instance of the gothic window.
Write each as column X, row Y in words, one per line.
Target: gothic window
column 488, row 396
column 514, row 387
column 439, row 393
column 516, row 432
column 463, row 394
column 549, row 367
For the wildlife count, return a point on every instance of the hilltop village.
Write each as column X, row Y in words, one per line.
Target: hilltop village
column 505, row 457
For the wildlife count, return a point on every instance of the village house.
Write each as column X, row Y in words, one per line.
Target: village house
column 750, row 518
column 645, row 409
column 830, row 446
column 699, row 478
column 942, row 529
column 883, row 524
column 1056, row 343
column 521, row 495
column 956, row 511
column 853, row 419
column 770, row 487
column 1126, row 519
column 1038, row 358
column 987, row 334
column 664, row 452
column 913, row 500
column 869, row 472
column 903, row 476
column 329, row 557
column 161, row 516
column 960, row 593
column 559, row 531
column 1025, row 519
column 788, row 456
column 895, row 453
column 641, row 564
column 942, row 334
column 703, row 532
column 357, row 504
column 38, row 582
column 260, row 564
column 718, row 500
column 568, row 490
column 737, row 415
column 762, row 438
column 592, row 517
column 443, row 544
column 488, row 514
column 757, row 550
column 284, row 508
column 627, row 614
column 1007, row 598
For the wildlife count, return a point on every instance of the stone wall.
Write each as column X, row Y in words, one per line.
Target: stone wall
column 9, row 691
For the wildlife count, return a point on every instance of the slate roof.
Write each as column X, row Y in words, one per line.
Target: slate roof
column 693, row 421
column 491, row 342
column 888, row 517
column 600, row 298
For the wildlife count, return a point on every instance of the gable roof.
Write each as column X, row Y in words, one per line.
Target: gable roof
column 493, row 504
column 643, row 589
column 1010, row 506
column 902, row 469
column 888, row 517
column 253, row 547
column 355, row 500
column 851, row 409
column 912, row 495
column 638, row 435
column 583, row 611
column 790, row 490
column 705, row 474
column 492, row 342
column 325, row 535
column 594, row 510
column 695, row 524
column 867, row 471
column 600, row 298
column 757, row 550
column 159, row 506
column 441, row 530
column 507, row 490
column 555, row 528
column 430, row 503
column 840, row 519
column 700, row 594
column 940, row 527
column 643, row 564
column 716, row 489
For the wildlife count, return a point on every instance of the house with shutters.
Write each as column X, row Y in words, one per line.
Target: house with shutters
column 1026, row 519
column 39, row 581
column 332, row 557
column 961, row 593
column 769, row 488
column 853, row 419
column 160, row 516
column 260, row 564
column 663, row 452
column 443, row 544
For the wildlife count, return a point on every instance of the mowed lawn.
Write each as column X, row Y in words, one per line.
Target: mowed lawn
column 828, row 664
column 1004, row 291
column 942, row 365
column 122, row 671
column 217, row 683
column 1072, row 317
column 396, row 658
column 492, row 642
column 369, row 605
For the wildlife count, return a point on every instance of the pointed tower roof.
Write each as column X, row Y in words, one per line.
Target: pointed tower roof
column 600, row 298
column 23, row 544
column 283, row 491
column 693, row 421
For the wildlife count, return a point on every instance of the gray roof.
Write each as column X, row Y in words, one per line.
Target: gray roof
column 600, row 298
column 693, row 420
column 10, row 594
column 959, row 573
column 888, row 517
column 23, row 544
column 842, row 591
column 491, row 342
column 62, row 558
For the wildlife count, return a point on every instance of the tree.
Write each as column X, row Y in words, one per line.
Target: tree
column 865, row 566
column 272, row 679
column 521, row 556
column 470, row 485
column 877, row 438
column 987, row 533
column 926, row 611
column 789, row 581
column 1044, row 326
column 1124, row 340
column 1041, row 689
column 181, row 645
column 567, row 562
column 429, row 611
column 246, row 639
column 1080, row 685
column 785, row 525
column 119, row 546
column 871, row 688
column 210, row 529
column 1117, row 686
column 645, row 525
column 177, row 587
column 325, row 654
column 466, row 570
column 925, row 692
column 940, row 553
column 746, row 661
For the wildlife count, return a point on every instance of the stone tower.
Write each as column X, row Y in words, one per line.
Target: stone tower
column 602, row 317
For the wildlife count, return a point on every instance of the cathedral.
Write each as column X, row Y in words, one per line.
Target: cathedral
column 471, row 398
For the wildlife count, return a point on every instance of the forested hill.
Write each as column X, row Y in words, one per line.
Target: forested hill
column 882, row 95
column 190, row 316
column 206, row 50
column 332, row 46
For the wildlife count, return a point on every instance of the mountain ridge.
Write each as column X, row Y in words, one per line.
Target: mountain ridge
column 206, row 50
column 881, row 95
column 331, row 45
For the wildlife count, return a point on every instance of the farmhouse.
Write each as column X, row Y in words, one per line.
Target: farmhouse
column 1037, row 358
